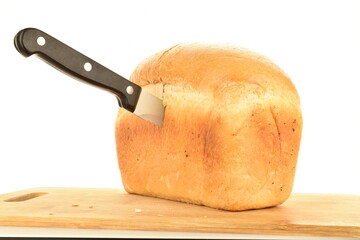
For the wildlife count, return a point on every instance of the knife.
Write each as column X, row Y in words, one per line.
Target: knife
column 130, row 96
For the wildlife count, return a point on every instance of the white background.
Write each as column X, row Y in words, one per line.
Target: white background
column 55, row 131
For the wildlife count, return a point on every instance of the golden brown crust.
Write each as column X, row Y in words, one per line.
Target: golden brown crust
column 231, row 132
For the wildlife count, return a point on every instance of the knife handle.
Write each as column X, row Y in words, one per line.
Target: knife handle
column 31, row 41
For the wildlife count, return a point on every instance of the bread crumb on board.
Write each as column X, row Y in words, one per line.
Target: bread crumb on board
column 138, row 210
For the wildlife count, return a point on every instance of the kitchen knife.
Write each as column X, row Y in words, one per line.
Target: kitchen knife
column 130, row 96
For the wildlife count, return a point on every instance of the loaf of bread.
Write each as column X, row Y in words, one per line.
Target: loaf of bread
column 231, row 134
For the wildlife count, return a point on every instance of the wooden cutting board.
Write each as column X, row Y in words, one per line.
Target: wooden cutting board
column 300, row 215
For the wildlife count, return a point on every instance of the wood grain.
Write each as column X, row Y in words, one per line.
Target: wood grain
column 301, row 215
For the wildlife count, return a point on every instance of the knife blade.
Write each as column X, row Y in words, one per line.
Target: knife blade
column 130, row 96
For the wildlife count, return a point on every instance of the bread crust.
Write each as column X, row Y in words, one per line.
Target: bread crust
column 231, row 133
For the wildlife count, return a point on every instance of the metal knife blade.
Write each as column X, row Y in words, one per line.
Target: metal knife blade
column 150, row 108
column 131, row 97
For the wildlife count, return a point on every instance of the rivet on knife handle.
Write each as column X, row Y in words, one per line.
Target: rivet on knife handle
column 33, row 41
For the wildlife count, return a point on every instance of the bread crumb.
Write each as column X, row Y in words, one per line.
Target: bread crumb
column 51, row 213
column 138, row 210
column 205, row 216
column 91, row 206
column 75, row 205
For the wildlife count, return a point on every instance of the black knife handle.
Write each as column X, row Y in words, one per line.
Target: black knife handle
column 33, row 41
